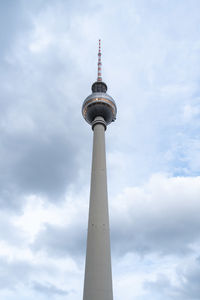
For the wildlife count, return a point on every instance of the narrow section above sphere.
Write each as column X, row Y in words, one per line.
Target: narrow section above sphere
column 99, row 103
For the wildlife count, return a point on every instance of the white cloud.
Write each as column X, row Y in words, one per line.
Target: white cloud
column 161, row 216
column 155, row 238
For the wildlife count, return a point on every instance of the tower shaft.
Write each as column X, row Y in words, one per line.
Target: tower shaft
column 98, row 274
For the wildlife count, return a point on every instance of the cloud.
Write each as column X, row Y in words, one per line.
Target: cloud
column 12, row 273
column 190, row 289
column 62, row 240
column 36, row 163
column 48, row 289
column 185, row 288
column 14, row 20
column 21, row 277
column 39, row 118
column 9, row 233
column 160, row 217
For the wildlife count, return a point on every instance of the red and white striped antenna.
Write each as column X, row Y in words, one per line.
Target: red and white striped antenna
column 99, row 77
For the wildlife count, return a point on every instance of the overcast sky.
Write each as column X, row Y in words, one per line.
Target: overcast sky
column 48, row 62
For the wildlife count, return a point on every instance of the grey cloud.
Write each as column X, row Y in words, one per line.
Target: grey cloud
column 161, row 217
column 35, row 164
column 48, row 289
column 165, row 236
column 9, row 233
column 12, row 21
column 188, row 287
column 39, row 123
column 162, row 286
column 18, row 276
column 13, row 273
column 46, row 166
column 62, row 241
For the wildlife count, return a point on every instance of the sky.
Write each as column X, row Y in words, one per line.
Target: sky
column 48, row 62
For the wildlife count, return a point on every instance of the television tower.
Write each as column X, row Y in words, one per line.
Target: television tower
column 98, row 110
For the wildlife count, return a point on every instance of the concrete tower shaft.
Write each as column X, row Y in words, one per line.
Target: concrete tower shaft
column 98, row 275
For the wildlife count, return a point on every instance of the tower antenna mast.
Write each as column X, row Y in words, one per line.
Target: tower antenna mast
column 99, row 76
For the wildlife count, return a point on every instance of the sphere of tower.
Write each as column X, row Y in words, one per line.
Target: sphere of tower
column 99, row 104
